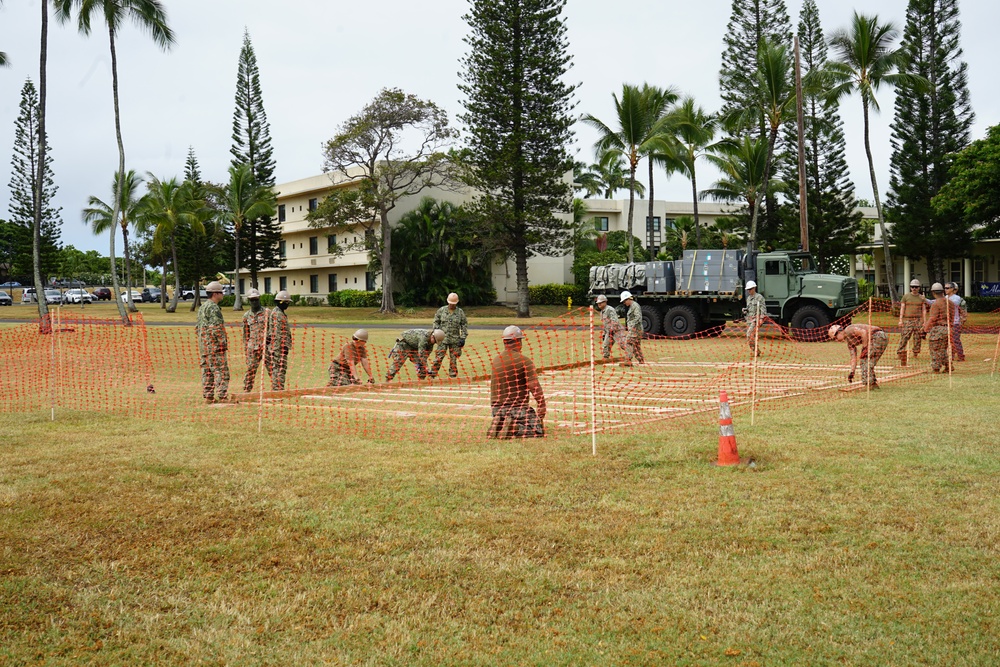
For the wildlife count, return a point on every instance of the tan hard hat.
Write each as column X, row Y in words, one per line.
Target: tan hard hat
column 361, row 334
column 453, row 298
column 513, row 332
column 834, row 330
column 253, row 294
column 937, row 287
column 914, row 283
column 601, row 299
column 214, row 286
column 282, row 296
column 437, row 335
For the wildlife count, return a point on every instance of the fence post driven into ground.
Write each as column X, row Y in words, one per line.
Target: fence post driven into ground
column 593, row 388
column 868, row 348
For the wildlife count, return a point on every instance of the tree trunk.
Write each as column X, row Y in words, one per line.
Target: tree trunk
column 163, row 287
column 881, row 219
column 121, row 168
column 172, row 308
column 763, row 186
column 238, row 303
column 44, row 320
column 631, row 204
column 128, row 270
column 388, row 305
column 521, row 274
column 694, row 201
column 649, row 219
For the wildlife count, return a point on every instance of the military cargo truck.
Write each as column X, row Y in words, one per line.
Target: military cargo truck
column 705, row 289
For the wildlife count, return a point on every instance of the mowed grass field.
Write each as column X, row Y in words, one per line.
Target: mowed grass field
column 867, row 532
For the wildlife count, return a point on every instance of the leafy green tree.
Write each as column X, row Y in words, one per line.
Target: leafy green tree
column 243, row 200
column 519, row 128
column 261, row 240
column 14, row 239
column 438, row 250
column 168, row 207
column 4, row 61
column 639, row 131
column 147, row 15
column 105, row 218
column 742, row 164
column 201, row 254
column 694, row 130
column 369, row 153
column 866, row 61
column 971, row 192
column 25, row 188
column 605, row 179
column 834, row 222
column 933, row 119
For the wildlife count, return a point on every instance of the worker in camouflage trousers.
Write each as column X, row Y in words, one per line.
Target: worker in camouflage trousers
column 279, row 341
column 756, row 313
column 912, row 314
column 414, row 345
column 612, row 327
column 344, row 369
column 961, row 314
column 212, row 346
column 872, row 341
column 254, row 325
column 633, row 330
column 452, row 321
column 937, row 328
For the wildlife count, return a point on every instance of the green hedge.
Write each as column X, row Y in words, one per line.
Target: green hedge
column 266, row 300
column 982, row 304
column 353, row 298
column 555, row 294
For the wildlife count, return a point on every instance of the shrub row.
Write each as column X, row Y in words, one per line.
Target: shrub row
column 353, row 298
column 266, row 300
column 982, row 304
column 554, row 294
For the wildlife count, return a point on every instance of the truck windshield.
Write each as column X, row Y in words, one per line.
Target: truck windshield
column 802, row 264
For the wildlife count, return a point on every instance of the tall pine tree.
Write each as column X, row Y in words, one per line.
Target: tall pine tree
column 202, row 252
column 931, row 123
column 518, row 117
column 751, row 22
column 23, row 188
column 834, row 222
column 260, row 238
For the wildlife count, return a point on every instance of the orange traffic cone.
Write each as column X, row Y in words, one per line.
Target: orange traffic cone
column 728, row 456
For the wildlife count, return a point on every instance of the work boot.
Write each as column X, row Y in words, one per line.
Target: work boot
column 902, row 359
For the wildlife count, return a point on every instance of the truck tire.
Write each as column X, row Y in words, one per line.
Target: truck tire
column 808, row 318
column 650, row 320
column 680, row 322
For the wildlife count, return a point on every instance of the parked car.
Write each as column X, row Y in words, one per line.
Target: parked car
column 101, row 294
column 28, row 295
column 136, row 296
column 189, row 293
column 77, row 296
column 5, row 299
column 10, row 284
column 151, row 294
column 53, row 297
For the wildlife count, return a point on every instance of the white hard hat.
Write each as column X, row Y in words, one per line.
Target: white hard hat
column 253, row 294
column 626, row 295
column 513, row 333
column 361, row 334
column 214, row 286
column 452, row 298
column 283, row 295
column 438, row 335
column 751, row 284
column 601, row 298
column 834, row 330
column 937, row 287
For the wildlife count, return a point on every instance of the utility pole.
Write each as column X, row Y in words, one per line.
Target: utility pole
column 803, row 202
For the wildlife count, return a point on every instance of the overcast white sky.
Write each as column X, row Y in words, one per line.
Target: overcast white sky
column 320, row 62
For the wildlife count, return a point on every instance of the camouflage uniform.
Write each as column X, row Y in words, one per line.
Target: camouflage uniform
column 254, row 324
column 513, row 381
column 911, row 323
column 960, row 313
column 279, row 342
column 937, row 330
column 415, row 345
column 612, row 331
column 756, row 314
column 340, row 368
column 456, row 330
column 212, row 347
column 871, row 353
column 633, row 335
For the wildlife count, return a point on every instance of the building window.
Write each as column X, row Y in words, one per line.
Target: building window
column 282, row 283
column 774, row 268
column 313, row 284
column 670, row 223
column 355, row 280
column 243, row 288
column 655, row 226
column 601, row 223
column 369, row 281
column 331, row 244
column 332, row 282
column 979, row 270
column 281, row 248
column 956, row 272
column 267, row 285
column 281, row 212
column 313, row 204
column 313, row 245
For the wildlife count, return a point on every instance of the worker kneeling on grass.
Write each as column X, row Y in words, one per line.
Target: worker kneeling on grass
column 512, row 383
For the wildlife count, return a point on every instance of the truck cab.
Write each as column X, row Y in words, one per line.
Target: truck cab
column 797, row 295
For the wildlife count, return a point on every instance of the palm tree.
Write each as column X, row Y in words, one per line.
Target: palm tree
column 865, row 60
column 166, row 206
column 743, row 164
column 148, row 15
column 777, row 96
column 3, row 56
column 244, row 199
column 102, row 218
column 694, row 130
column 658, row 102
column 612, row 177
column 638, row 134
